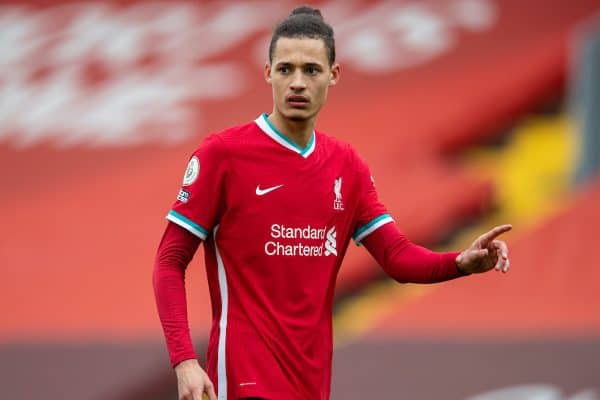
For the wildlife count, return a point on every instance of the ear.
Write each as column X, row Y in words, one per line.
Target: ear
column 267, row 72
column 335, row 74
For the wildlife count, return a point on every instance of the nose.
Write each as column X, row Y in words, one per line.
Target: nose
column 298, row 83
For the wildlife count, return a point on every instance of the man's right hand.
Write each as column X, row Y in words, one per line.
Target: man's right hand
column 192, row 381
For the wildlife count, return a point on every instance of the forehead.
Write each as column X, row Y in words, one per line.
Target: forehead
column 300, row 51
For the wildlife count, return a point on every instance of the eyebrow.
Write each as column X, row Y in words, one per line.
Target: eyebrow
column 313, row 64
column 308, row 64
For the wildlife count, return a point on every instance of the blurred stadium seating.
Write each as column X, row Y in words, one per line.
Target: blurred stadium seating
column 102, row 103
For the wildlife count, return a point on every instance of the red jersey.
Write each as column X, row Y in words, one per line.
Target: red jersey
column 276, row 220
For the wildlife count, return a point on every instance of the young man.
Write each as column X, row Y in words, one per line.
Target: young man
column 276, row 204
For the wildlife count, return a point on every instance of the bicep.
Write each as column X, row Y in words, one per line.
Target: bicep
column 177, row 247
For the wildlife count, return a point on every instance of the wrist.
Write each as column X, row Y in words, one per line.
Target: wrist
column 186, row 364
column 459, row 265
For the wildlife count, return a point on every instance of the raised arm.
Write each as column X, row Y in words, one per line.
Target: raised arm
column 407, row 262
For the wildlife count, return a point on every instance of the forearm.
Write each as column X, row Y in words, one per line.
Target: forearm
column 175, row 251
column 406, row 262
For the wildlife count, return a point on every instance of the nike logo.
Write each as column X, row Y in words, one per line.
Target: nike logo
column 261, row 192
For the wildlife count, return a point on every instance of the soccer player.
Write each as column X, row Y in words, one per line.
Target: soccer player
column 276, row 204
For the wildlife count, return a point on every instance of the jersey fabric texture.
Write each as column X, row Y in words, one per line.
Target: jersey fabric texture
column 276, row 220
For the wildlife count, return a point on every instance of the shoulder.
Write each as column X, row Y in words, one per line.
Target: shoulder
column 333, row 144
column 232, row 135
column 339, row 149
column 226, row 139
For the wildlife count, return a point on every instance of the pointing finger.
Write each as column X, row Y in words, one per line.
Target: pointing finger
column 487, row 237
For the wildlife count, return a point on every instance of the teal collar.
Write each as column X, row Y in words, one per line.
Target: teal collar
column 270, row 130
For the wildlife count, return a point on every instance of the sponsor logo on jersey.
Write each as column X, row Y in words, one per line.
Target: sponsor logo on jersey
column 192, row 171
column 307, row 241
column 262, row 192
column 183, row 196
column 330, row 243
column 337, row 190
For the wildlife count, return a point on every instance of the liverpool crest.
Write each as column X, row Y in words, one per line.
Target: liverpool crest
column 337, row 190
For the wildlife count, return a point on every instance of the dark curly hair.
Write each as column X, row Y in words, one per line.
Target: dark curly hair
column 304, row 22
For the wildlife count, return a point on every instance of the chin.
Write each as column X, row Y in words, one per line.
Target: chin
column 298, row 115
column 298, row 118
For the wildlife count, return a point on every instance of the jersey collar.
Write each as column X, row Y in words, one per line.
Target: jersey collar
column 269, row 129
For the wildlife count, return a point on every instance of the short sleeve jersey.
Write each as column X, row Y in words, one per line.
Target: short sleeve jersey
column 276, row 221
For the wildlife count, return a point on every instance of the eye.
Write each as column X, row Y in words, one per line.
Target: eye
column 312, row 70
column 283, row 69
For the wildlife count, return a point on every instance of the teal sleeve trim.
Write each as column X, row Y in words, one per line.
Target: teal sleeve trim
column 370, row 227
column 187, row 223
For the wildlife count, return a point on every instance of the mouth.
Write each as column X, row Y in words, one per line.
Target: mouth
column 298, row 101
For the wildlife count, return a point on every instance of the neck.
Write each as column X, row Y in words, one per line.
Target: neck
column 298, row 131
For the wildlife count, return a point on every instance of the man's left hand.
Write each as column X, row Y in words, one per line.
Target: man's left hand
column 485, row 253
